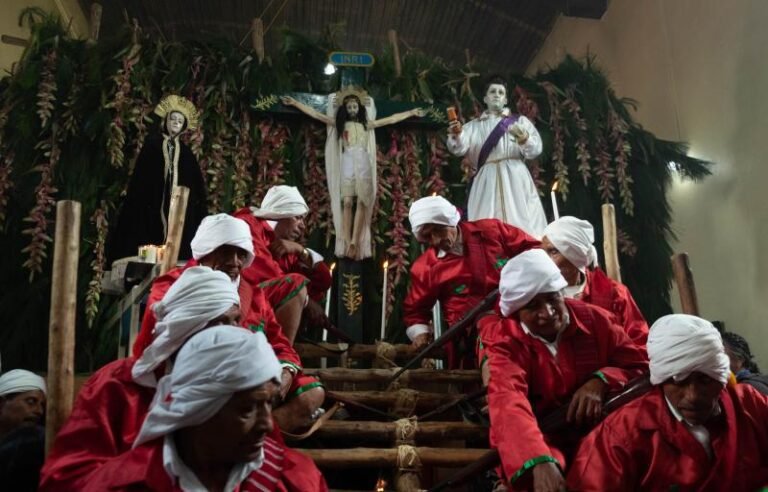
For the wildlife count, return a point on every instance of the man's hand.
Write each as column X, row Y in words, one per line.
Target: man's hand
column 422, row 341
column 587, row 403
column 282, row 247
column 285, row 383
column 547, row 478
column 454, row 127
column 314, row 315
column 519, row 134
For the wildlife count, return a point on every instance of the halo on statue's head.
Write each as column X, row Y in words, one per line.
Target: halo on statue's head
column 182, row 105
column 350, row 90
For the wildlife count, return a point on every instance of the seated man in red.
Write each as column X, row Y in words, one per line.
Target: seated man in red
column 223, row 243
column 294, row 278
column 697, row 430
column 459, row 268
column 110, row 408
column 208, row 428
column 568, row 241
column 548, row 352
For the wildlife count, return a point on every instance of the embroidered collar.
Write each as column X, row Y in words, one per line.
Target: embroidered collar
column 487, row 114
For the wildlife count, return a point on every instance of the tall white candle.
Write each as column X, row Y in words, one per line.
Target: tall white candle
column 384, row 301
column 553, row 194
column 324, row 360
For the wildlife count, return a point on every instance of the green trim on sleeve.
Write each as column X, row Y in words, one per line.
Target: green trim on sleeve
column 600, row 375
column 291, row 364
column 293, row 293
column 531, row 463
column 307, row 387
column 255, row 328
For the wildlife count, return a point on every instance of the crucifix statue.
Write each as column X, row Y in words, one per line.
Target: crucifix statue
column 350, row 164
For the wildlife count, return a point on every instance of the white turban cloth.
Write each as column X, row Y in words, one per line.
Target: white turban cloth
column 20, row 381
column 681, row 344
column 198, row 296
column 524, row 276
column 281, row 202
column 220, row 230
column 573, row 238
column 210, row 368
column 432, row 210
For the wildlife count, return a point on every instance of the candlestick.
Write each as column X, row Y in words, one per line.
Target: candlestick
column 437, row 326
column 324, row 360
column 555, row 212
column 384, row 301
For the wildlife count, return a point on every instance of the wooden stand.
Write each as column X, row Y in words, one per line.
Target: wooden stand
column 610, row 249
column 177, row 212
column 689, row 303
column 61, row 325
column 95, row 23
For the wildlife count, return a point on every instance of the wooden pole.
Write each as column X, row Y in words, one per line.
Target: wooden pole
column 257, row 38
column 380, row 458
column 610, row 249
column 378, row 399
column 177, row 211
column 357, row 351
column 95, row 22
column 61, row 323
column 386, row 431
column 384, row 375
column 681, row 267
column 392, row 35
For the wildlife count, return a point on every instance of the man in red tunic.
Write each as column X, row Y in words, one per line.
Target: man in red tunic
column 695, row 430
column 293, row 277
column 208, row 428
column 459, row 268
column 223, row 243
column 110, row 408
column 548, row 353
column 568, row 241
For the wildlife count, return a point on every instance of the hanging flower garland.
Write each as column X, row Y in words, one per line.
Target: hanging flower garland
column 383, row 194
column 618, row 129
column 216, row 162
column 604, row 170
column 413, row 177
column 93, row 294
column 6, row 168
column 582, row 144
column 397, row 252
column 558, row 139
column 525, row 105
column 438, row 159
column 270, row 157
column 121, row 103
column 196, row 137
column 315, row 186
column 243, row 163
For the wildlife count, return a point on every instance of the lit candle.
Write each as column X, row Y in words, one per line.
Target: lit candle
column 555, row 212
column 384, row 301
column 324, row 360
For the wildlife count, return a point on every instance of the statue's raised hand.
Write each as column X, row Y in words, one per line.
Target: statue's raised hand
column 288, row 100
column 420, row 112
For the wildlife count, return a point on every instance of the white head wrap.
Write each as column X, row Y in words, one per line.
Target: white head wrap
column 573, row 238
column 524, row 276
column 198, row 296
column 210, row 368
column 219, row 230
column 281, row 202
column 432, row 210
column 20, row 381
column 680, row 344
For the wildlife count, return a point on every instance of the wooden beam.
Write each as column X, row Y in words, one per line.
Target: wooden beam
column 14, row 41
column 381, row 399
column 257, row 38
column 176, row 214
column 357, row 351
column 379, row 458
column 385, row 431
column 95, row 22
column 392, row 35
column 385, row 375
column 61, row 323
column 681, row 268
column 610, row 249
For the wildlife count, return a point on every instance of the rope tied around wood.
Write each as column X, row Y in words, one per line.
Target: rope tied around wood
column 408, row 459
column 406, row 402
column 405, row 430
column 385, row 355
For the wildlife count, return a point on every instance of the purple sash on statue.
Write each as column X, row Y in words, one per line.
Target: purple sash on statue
column 494, row 138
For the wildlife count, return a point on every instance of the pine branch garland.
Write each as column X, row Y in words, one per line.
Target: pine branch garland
column 6, row 183
column 93, row 294
column 438, row 159
column 582, row 144
column 121, row 102
column 558, row 140
column 243, row 163
column 315, row 182
column 46, row 94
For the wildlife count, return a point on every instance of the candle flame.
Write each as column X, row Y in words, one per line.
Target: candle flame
column 386, row 264
column 554, row 186
column 380, row 484
column 333, row 265
column 434, row 193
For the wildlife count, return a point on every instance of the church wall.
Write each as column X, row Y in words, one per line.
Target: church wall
column 9, row 24
column 699, row 72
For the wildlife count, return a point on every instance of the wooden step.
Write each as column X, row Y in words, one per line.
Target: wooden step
column 378, row 457
column 357, row 351
column 341, row 374
column 387, row 431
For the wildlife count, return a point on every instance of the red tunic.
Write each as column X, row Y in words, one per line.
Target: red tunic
column 266, row 268
column 528, row 382
column 256, row 314
column 613, row 296
column 460, row 282
column 643, row 447
column 284, row 470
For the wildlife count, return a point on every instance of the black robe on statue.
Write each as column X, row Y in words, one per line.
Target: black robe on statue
column 139, row 221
